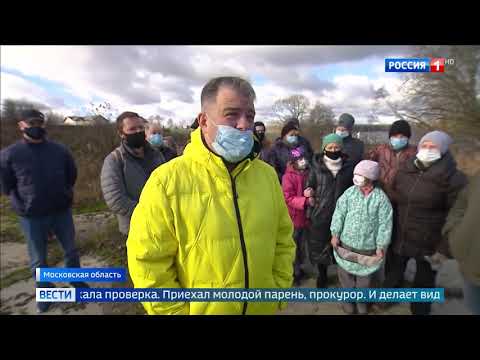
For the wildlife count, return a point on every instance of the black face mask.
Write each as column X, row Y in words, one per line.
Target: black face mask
column 334, row 155
column 136, row 140
column 35, row 132
column 260, row 136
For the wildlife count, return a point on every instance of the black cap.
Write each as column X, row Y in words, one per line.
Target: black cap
column 400, row 127
column 258, row 123
column 294, row 120
column 346, row 120
column 31, row 114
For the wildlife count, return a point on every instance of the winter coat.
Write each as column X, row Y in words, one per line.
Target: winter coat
column 122, row 179
column 463, row 235
column 38, row 177
column 390, row 161
column 167, row 152
column 307, row 147
column 279, row 156
column 424, row 197
column 327, row 191
column 354, row 148
column 293, row 184
column 199, row 226
column 362, row 223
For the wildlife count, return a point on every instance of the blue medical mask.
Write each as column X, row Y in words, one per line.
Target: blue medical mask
column 156, row 139
column 292, row 139
column 232, row 144
column 342, row 134
column 398, row 143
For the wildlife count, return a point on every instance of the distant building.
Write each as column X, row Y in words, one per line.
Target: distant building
column 85, row 120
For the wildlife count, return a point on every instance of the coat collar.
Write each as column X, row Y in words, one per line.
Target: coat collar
column 198, row 151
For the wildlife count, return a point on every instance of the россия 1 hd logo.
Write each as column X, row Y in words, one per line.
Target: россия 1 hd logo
column 417, row 64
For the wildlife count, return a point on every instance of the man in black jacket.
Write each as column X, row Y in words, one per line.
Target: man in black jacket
column 39, row 175
column 352, row 147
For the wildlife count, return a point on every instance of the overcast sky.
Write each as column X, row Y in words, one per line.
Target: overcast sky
column 167, row 80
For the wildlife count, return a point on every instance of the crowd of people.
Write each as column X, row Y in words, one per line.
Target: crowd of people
column 236, row 211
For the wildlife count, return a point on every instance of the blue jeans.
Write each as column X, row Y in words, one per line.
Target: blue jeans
column 471, row 294
column 36, row 229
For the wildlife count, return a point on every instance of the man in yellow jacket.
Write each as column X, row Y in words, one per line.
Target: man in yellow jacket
column 214, row 217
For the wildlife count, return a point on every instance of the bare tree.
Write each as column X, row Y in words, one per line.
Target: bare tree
column 294, row 106
column 104, row 109
column 155, row 119
column 321, row 114
column 11, row 108
column 448, row 100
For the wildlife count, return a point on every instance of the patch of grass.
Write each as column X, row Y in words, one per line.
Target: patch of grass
column 10, row 232
column 107, row 244
column 9, row 224
column 15, row 276
column 90, row 207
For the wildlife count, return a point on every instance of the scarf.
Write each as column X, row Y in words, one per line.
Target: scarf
column 333, row 165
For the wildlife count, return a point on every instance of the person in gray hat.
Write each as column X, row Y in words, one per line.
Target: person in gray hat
column 354, row 148
column 425, row 189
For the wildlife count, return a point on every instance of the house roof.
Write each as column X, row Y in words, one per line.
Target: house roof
column 95, row 118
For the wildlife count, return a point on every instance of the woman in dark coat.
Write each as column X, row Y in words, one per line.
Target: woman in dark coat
column 279, row 154
column 425, row 189
column 329, row 177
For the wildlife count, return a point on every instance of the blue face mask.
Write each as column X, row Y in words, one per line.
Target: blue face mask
column 342, row 134
column 292, row 139
column 398, row 143
column 156, row 140
column 231, row 144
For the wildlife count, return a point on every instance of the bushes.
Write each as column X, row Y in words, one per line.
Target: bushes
column 89, row 146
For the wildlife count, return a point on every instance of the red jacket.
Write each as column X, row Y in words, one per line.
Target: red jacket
column 293, row 184
column 390, row 162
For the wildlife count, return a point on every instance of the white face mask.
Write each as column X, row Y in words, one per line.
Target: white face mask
column 359, row 180
column 428, row 155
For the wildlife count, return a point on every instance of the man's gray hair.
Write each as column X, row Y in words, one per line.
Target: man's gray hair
column 210, row 90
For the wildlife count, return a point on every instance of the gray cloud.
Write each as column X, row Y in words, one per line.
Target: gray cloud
column 118, row 69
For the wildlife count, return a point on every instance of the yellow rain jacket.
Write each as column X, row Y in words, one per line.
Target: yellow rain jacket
column 198, row 226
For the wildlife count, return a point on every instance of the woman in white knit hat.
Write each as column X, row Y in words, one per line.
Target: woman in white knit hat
column 361, row 231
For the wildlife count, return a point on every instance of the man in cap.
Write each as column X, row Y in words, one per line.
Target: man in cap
column 39, row 175
column 394, row 154
column 354, row 148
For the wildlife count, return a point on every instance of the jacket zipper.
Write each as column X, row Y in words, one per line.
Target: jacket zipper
column 242, row 239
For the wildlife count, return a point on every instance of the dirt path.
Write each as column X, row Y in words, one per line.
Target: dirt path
column 17, row 295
